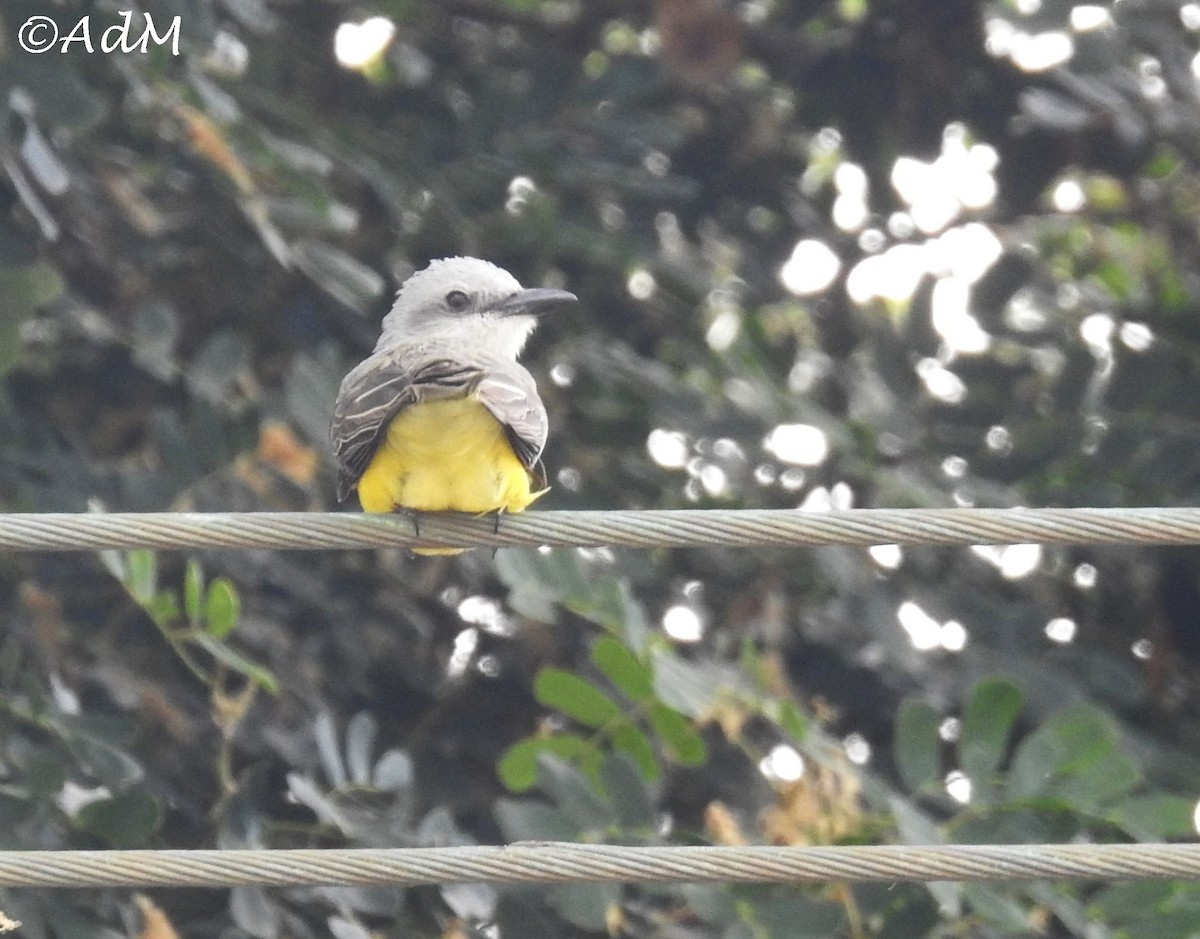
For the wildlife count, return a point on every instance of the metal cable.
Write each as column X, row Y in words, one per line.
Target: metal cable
column 559, row 862
column 640, row 529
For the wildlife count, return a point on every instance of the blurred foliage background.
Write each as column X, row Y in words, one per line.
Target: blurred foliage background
column 830, row 253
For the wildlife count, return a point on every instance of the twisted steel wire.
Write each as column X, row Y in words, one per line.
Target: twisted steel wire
column 559, row 862
column 638, row 529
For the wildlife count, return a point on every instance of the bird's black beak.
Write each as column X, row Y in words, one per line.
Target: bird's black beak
column 532, row 301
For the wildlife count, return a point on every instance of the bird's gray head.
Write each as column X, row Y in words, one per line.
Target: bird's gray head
column 467, row 297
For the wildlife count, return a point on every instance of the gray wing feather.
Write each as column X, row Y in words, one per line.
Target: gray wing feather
column 383, row 385
column 374, row 392
column 510, row 394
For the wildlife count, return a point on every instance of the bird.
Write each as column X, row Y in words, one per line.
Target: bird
column 442, row 416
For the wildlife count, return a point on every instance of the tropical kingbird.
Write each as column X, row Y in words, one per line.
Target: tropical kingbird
column 442, row 416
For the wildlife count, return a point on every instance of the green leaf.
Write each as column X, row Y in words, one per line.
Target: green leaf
column 577, row 698
column 792, row 720
column 683, row 744
column 1083, row 735
column 23, row 290
column 777, row 913
column 574, row 790
column 1163, row 924
column 713, row 904
column 1155, row 817
column 163, row 608
column 589, row 761
column 1068, row 742
column 142, row 575
column 918, row 746
column 193, row 591
column 518, row 766
column 1018, row 823
column 623, row 668
column 63, row 96
column 997, row 909
column 28, row 287
column 537, row 581
column 1033, row 767
column 1162, row 164
column 107, row 763
column 11, row 346
column 629, row 740
column 527, row 820
column 126, row 820
column 1117, row 278
column 1122, row 902
column 1098, row 783
column 625, row 786
column 584, row 905
column 42, row 774
column 609, row 602
column 694, row 687
column 988, row 721
column 221, row 608
column 261, row 676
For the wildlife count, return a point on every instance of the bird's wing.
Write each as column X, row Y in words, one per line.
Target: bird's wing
column 510, row 395
column 374, row 392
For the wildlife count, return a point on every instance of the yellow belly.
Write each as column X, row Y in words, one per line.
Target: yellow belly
column 445, row 456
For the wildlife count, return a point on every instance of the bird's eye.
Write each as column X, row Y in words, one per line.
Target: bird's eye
column 457, row 300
